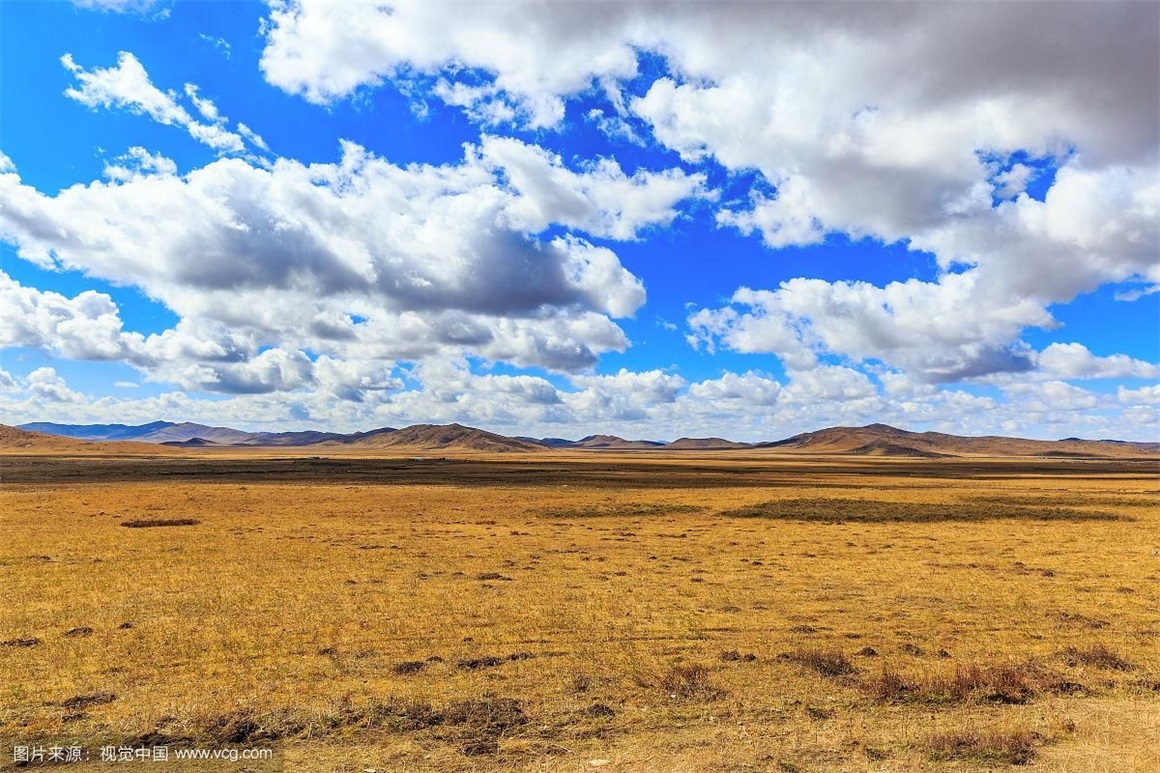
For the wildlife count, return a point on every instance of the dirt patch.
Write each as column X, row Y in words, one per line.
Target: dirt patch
column 490, row 712
column 1082, row 621
column 825, row 662
column 1071, row 500
column 824, row 510
column 409, row 667
column 91, row 699
column 246, row 726
column 149, row 523
column 76, row 633
column 31, row 641
column 1097, row 655
column 474, row 664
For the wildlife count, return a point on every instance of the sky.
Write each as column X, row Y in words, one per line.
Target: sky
column 743, row 220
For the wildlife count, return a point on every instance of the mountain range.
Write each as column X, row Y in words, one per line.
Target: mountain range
column 872, row 440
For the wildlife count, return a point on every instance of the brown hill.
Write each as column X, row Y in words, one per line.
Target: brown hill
column 704, row 444
column 884, row 440
column 437, row 437
column 615, row 443
column 193, row 442
column 19, row 441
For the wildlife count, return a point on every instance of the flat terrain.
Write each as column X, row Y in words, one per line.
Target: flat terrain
column 723, row 611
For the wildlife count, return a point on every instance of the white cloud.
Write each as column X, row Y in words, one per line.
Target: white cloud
column 746, row 389
column 1075, row 361
column 121, row 6
column 1051, row 400
column 325, row 51
column 1013, row 181
column 943, row 331
column 651, row 404
column 601, row 199
column 381, row 271
column 432, row 260
column 824, row 102
column 252, row 137
column 221, row 44
column 127, row 86
column 828, row 384
column 87, row 327
column 624, row 396
column 138, row 161
column 45, row 386
column 940, row 331
column 204, row 105
column 1146, row 396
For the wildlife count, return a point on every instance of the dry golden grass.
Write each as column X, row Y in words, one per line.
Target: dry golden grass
column 541, row 627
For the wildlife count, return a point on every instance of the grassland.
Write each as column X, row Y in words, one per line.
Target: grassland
column 713, row 613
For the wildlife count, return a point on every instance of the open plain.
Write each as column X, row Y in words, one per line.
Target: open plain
column 723, row 611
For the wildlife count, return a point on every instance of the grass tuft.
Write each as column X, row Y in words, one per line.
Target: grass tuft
column 1007, row 684
column 1013, row 748
column 622, row 510
column 825, row 662
column 692, row 682
column 1097, row 655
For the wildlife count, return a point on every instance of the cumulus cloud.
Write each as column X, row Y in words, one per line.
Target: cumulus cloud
column 942, row 331
column 847, row 136
column 600, row 200
column 746, row 389
column 86, row 327
column 430, row 260
column 1075, row 361
column 358, row 279
column 751, row 406
column 45, row 386
column 528, row 59
column 1050, row 402
column 1147, row 396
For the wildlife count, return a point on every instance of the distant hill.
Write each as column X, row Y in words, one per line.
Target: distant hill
column 173, row 434
column 307, row 438
column 14, row 440
column 550, row 442
column 884, row 440
column 195, row 442
column 437, row 437
column 154, row 432
column 871, row 440
column 614, row 442
column 704, row 444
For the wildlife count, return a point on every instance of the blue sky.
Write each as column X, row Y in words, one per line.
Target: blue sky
column 541, row 219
